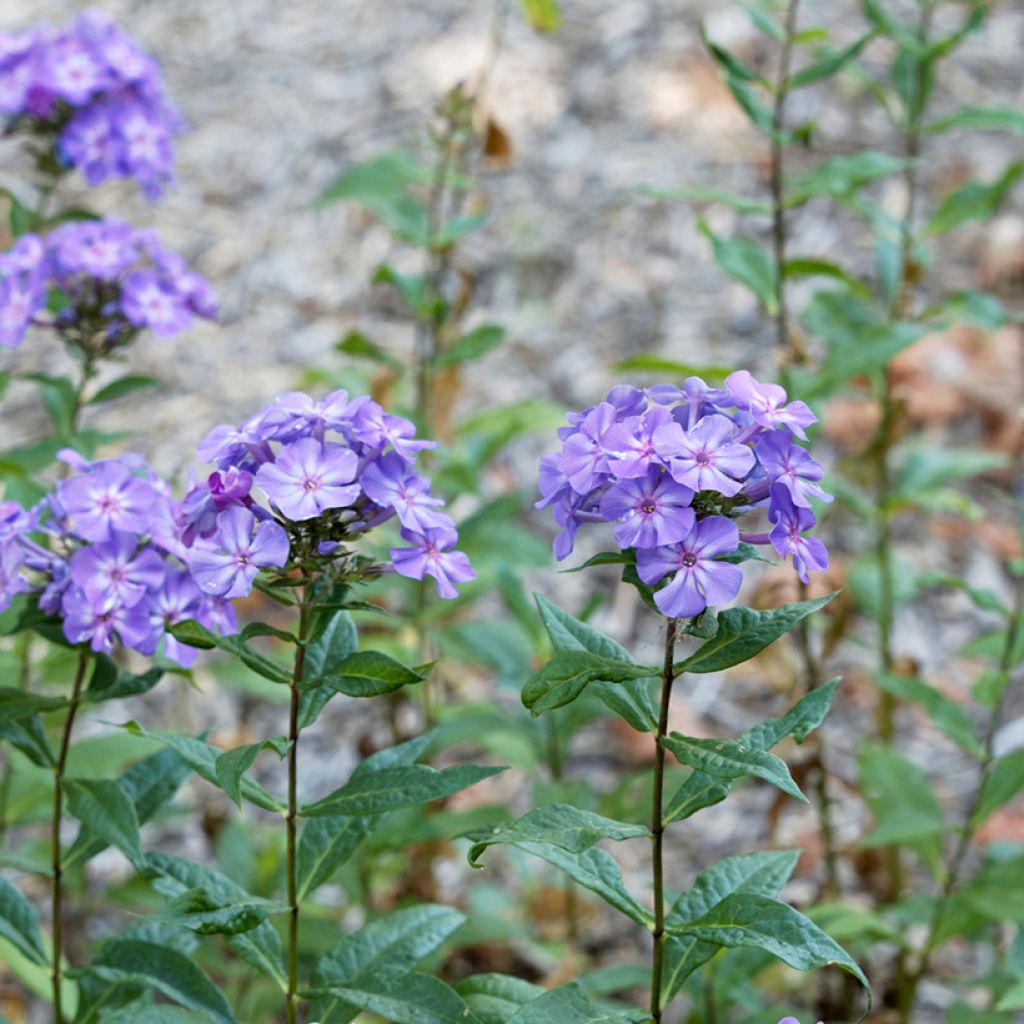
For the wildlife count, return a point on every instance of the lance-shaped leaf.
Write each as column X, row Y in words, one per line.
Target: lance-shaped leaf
column 946, row 714
column 108, row 682
column 596, row 870
column 494, row 998
column 394, row 944
column 149, row 784
column 571, row 1005
column 1003, row 783
column 231, row 766
column 206, row 913
column 828, row 64
column 386, row 789
column 401, row 998
column 202, row 758
column 981, row 119
column 752, row 920
column 325, row 844
column 19, row 923
column 761, row 873
column 746, row 262
column 196, row 635
column 743, row 632
column 16, row 704
column 569, row 828
column 106, row 809
column 165, row 969
column 631, row 700
column 367, row 674
column 334, row 638
column 566, row 675
column 729, row 760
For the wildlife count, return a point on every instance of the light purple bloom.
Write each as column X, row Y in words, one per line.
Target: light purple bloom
column 705, row 457
column 177, row 599
column 389, row 482
column 106, row 498
column 584, row 460
column 305, row 416
column 790, row 523
column 116, row 569
column 699, row 580
column 308, row 477
column 148, row 301
column 12, row 581
column 650, row 512
column 22, row 296
column 431, row 555
column 629, row 444
column 764, row 402
column 791, row 466
column 376, row 429
column 226, row 565
column 103, row 621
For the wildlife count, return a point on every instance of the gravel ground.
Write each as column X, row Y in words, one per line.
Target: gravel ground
column 582, row 269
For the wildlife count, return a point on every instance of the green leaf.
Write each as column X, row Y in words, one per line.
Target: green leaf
column 108, row 682
column 166, row 970
column 743, row 633
column 494, row 998
column 568, row 673
column 202, row 758
column 752, row 920
column 395, row 943
column 126, row 385
column 156, row 1014
column 701, row 790
column 732, row 65
column 746, row 262
column 104, row 807
column 729, row 760
column 632, row 701
column 357, row 344
column 569, row 828
column 1012, row 998
column 977, row 200
column 325, row 845
column 949, row 716
column 16, row 705
column 196, row 635
column 981, row 119
column 385, row 789
column 19, row 923
column 764, row 21
column 709, row 194
column 906, row 809
column 596, row 870
column 672, row 368
column 569, row 1004
column 841, row 176
column 478, row 342
column 233, row 764
column 59, row 400
column 202, row 912
column 368, row 674
column 543, row 15
column 804, row 267
column 1004, row 781
column 923, row 468
column 762, row 873
column 401, row 998
column 828, row 64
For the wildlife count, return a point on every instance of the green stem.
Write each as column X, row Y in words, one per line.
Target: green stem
column 908, row 991
column 293, row 807
column 57, row 871
column 657, row 822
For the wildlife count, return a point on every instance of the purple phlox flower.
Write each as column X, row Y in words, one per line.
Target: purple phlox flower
column 217, row 614
column 584, row 460
column 765, row 403
column 227, row 445
column 389, row 482
column 306, row 416
column 15, row 520
column 791, row 1020
column 650, row 512
column 150, row 301
column 790, row 522
column 104, row 620
column 226, row 564
column 566, row 510
column 107, row 497
column 308, row 477
column 75, row 460
column 89, row 144
column 376, row 428
column 705, row 457
column 117, row 569
column 789, row 464
column 74, row 73
column 431, row 555
column 629, row 444
column 177, row 599
column 22, row 296
column 12, row 582
column 699, row 580
column 24, row 257
column 627, row 400
column 103, row 249
column 552, row 482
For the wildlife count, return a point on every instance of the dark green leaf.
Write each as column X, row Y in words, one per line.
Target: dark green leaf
column 476, row 343
column 16, row 704
column 494, row 998
column 981, row 119
column 949, row 716
column 743, row 633
column 569, row 828
column 841, row 176
column 232, row 765
column 401, row 998
column 59, row 399
column 357, row 344
column 568, row 673
column 803, row 267
column 19, row 923
column 1003, row 783
column 103, row 806
column 202, row 912
column 569, row 1004
column 126, row 385
column 368, row 674
column 828, row 64
column 746, row 262
column 977, row 200
column 196, row 635
column 325, row 845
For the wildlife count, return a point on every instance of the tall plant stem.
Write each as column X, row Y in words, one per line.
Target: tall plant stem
column 556, row 769
column 954, row 869
column 293, row 807
column 657, row 823
column 56, row 866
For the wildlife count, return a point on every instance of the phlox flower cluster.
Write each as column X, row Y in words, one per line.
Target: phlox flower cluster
column 112, row 280
column 301, row 478
column 94, row 99
column 102, row 553
column 674, row 468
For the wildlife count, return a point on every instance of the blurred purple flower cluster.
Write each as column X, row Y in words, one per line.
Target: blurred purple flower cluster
column 113, row 280
column 93, row 97
column 329, row 471
column 103, row 554
column 673, row 468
